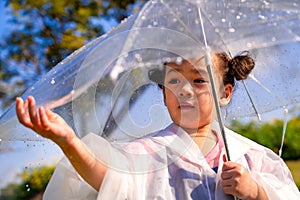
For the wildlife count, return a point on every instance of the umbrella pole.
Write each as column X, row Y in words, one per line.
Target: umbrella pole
column 213, row 85
column 214, row 91
column 216, row 100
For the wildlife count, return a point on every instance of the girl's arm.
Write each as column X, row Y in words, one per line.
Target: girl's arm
column 50, row 125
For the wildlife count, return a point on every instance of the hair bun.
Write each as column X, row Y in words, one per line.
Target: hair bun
column 241, row 65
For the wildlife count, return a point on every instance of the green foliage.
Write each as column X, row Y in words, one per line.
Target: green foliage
column 33, row 182
column 46, row 31
column 270, row 134
column 294, row 168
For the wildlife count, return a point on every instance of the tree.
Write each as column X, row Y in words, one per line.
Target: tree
column 270, row 134
column 34, row 182
column 46, row 31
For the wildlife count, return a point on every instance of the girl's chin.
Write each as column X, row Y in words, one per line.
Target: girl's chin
column 189, row 126
column 192, row 126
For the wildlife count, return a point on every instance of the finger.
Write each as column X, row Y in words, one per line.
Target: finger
column 44, row 118
column 20, row 108
column 33, row 112
column 228, row 166
column 229, row 183
column 229, row 189
column 224, row 158
column 51, row 115
column 21, row 111
column 225, row 175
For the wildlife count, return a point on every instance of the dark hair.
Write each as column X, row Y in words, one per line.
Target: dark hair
column 236, row 68
column 157, row 75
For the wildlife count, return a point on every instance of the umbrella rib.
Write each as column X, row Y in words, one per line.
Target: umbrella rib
column 266, row 89
column 211, row 22
column 128, row 42
column 180, row 21
column 283, row 131
column 114, row 105
column 283, row 106
column 251, row 100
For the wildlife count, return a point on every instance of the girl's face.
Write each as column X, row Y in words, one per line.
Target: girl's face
column 187, row 95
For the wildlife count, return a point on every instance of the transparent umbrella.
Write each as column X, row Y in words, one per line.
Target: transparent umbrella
column 104, row 86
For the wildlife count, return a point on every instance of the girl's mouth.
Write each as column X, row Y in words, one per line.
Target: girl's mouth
column 186, row 105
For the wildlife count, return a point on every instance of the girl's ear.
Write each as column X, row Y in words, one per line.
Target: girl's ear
column 226, row 96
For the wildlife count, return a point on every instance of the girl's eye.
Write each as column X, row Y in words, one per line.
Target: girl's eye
column 174, row 81
column 200, row 81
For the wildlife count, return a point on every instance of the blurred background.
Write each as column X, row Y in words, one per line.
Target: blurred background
column 34, row 37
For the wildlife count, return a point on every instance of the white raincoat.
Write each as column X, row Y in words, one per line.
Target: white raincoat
column 169, row 165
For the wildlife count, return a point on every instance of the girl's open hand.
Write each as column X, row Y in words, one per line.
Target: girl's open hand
column 43, row 121
column 238, row 182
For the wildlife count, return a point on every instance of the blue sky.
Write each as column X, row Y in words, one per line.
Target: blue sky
column 24, row 155
column 2, row 14
column 3, row 18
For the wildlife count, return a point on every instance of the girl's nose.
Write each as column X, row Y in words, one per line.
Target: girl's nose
column 186, row 90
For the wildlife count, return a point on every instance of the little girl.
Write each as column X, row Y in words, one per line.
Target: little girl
column 186, row 160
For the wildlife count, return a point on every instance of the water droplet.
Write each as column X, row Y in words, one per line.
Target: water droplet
column 262, row 17
column 138, row 57
column 179, row 60
column 143, row 17
column 223, row 20
column 52, row 81
column 231, row 30
column 266, row 2
column 166, row 59
column 155, row 23
column 238, row 17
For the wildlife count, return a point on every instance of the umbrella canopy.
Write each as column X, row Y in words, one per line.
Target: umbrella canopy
column 104, row 88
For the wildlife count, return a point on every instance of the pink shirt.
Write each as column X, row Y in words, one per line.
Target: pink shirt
column 213, row 156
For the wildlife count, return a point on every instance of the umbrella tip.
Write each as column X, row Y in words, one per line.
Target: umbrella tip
column 280, row 153
column 258, row 117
